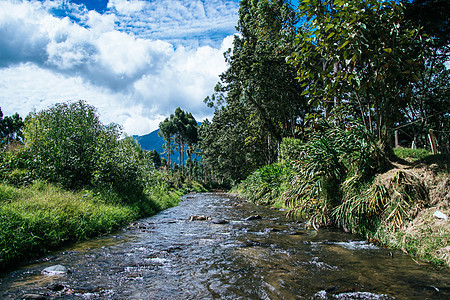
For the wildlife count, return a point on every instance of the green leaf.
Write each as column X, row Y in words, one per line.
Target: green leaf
column 343, row 44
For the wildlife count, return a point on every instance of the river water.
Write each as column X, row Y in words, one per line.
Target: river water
column 169, row 257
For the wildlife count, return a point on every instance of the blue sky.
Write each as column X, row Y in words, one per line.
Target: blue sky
column 135, row 60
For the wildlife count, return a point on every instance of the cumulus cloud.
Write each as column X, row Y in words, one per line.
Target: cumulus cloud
column 114, row 60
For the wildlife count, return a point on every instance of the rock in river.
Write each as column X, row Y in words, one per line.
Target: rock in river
column 55, row 287
column 199, row 218
column 55, row 270
column 254, row 217
column 218, row 221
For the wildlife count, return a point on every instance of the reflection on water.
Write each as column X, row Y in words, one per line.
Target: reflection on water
column 169, row 257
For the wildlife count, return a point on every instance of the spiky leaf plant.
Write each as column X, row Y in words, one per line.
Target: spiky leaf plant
column 335, row 161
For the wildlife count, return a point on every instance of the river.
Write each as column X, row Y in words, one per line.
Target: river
column 169, row 257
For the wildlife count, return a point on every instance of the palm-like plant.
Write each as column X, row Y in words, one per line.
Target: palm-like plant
column 337, row 160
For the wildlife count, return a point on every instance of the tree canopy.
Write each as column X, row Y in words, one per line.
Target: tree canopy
column 10, row 128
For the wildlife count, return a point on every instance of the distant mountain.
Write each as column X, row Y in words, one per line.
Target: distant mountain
column 151, row 141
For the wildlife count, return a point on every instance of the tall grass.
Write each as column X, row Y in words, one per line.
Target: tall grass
column 42, row 217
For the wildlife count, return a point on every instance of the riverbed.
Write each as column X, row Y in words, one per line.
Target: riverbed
column 241, row 251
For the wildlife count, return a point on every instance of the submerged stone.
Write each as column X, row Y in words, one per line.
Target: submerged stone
column 34, row 296
column 218, row 221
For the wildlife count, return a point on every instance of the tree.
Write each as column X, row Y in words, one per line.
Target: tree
column 258, row 100
column 229, row 149
column 362, row 54
column 258, row 75
column 63, row 141
column 10, row 128
column 432, row 16
column 155, row 158
column 181, row 130
column 167, row 131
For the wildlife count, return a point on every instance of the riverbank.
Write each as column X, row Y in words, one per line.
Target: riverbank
column 42, row 217
column 425, row 234
column 406, row 208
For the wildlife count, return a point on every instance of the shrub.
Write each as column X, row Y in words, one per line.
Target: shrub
column 267, row 184
column 63, row 141
column 290, row 149
column 336, row 161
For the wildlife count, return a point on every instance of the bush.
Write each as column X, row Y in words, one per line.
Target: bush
column 334, row 162
column 68, row 145
column 63, row 142
column 267, row 184
column 290, row 149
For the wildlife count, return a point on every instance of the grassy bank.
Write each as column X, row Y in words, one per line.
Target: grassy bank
column 42, row 217
column 394, row 208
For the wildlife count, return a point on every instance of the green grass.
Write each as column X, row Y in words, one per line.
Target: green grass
column 423, row 241
column 42, row 217
column 411, row 155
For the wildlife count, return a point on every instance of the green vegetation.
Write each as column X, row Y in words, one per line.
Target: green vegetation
column 393, row 208
column 75, row 178
column 411, row 155
column 41, row 217
column 335, row 60
column 323, row 144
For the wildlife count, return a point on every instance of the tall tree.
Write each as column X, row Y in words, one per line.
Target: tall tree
column 181, row 130
column 362, row 53
column 167, row 131
column 10, row 128
column 258, row 85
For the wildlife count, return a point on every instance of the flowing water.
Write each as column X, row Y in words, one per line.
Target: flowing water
column 169, row 257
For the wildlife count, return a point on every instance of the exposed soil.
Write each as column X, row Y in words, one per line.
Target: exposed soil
column 423, row 234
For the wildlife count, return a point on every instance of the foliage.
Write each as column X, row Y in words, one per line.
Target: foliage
column 257, row 101
column 38, row 219
column 432, row 16
column 180, row 130
column 10, row 128
column 231, row 149
column 267, row 184
column 335, row 158
column 428, row 108
column 290, row 149
column 363, row 54
column 15, row 167
column 64, row 142
column 68, row 145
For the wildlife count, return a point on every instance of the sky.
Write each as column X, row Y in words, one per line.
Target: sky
column 136, row 61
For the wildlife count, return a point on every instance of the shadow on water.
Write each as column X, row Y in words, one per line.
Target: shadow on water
column 169, row 257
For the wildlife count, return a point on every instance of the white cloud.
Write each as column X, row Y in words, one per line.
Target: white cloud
column 126, row 7
column 133, row 80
